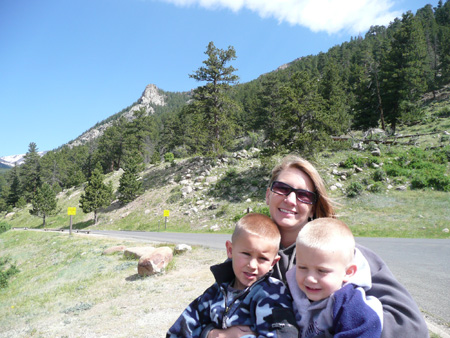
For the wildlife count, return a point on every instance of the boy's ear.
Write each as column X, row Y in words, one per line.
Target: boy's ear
column 349, row 272
column 229, row 247
column 275, row 260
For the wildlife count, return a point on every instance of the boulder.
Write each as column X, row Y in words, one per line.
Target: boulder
column 138, row 252
column 114, row 249
column 155, row 262
column 180, row 248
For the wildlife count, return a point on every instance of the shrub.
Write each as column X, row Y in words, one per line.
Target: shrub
column 21, row 202
column 379, row 175
column 155, row 158
column 377, row 187
column 175, row 195
column 352, row 161
column 4, row 227
column 169, row 157
column 7, row 270
column 354, row 189
column 444, row 112
column 181, row 152
column 418, row 182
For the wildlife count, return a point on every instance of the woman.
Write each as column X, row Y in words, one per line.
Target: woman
column 297, row 194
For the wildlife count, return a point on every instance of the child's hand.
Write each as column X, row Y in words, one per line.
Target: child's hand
column 231, row 332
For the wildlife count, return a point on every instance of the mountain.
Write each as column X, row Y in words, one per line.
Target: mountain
column 150, row 100
column 11, row 161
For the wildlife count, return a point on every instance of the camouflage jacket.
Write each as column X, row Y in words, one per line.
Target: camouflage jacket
column 265, row 306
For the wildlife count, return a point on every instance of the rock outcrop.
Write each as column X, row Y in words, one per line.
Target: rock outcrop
column 150, row 97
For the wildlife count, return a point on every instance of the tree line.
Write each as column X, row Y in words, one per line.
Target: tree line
column 373, row 81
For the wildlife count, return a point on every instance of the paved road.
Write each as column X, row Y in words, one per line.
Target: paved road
column 421, row 265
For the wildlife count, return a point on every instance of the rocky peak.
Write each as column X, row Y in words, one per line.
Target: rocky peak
column 150, row 97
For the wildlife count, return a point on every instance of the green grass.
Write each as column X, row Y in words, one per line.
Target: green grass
column 410, row 214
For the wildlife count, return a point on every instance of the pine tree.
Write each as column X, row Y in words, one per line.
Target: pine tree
column 111, row 146
column 96, row 194
column 302, row 118
column 405, row 72
column 44, row 202
column 15, row 188
column 369, row 108
column 211, row 100
column 130, row 185
column 442, row 15
column 30, row 172
column 331, row 88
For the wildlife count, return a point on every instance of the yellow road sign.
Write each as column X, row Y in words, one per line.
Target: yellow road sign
column 166, row 213
column 71, row 211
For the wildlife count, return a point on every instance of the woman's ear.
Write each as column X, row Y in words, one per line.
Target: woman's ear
column 267, row 196
column 349, row 272
column 229, row 247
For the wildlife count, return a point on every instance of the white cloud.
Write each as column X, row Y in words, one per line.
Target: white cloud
column 331, row 16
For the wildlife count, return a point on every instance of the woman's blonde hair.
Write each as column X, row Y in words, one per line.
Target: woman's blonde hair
column 324, row 206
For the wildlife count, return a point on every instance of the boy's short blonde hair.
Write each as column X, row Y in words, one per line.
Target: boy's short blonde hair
column 258, row 225
column 329, row 234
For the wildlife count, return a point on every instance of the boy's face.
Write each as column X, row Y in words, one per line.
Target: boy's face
column 252, row 258
column 319, row 273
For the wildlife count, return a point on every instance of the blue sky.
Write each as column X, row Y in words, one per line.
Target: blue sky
column 67, row 64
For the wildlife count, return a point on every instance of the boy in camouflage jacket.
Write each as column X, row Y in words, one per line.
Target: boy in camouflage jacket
column 244, row 293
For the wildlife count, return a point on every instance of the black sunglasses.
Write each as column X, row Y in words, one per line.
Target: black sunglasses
column 304, row 196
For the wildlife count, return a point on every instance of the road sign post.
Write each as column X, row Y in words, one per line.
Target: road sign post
column 71, row 211
column 166, row 215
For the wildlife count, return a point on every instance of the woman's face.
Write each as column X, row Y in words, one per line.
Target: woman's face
column 289, row 213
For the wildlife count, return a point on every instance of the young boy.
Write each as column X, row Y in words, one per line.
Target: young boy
column 329, row 297
column 244, row 293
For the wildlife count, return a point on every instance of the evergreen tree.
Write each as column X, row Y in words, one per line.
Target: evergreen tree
column 44, row 202
column 302, row 121
column 267, row 115
column 442, row 15
column 96, row 194
column 30, row 172
column 111, row 146
column 331, row 88
column 405, row 72
column 141, row 135
column 130, row 185
column 4, row 193
column 15, row 188
column 369, row 111
column 211, row 101
column 431, row 32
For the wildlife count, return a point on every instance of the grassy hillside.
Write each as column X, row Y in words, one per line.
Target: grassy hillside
column 224, row 189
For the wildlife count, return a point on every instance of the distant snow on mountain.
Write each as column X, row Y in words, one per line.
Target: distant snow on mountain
column 12, row 160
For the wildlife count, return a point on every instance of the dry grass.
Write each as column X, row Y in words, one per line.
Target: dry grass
column 67, row 288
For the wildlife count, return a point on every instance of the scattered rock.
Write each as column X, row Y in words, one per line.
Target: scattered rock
column 376, row 152
column 138, row 252
column 114, row 249
column 180, row 248
column 214, row 227
column 155, row 262
column 445, row 230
